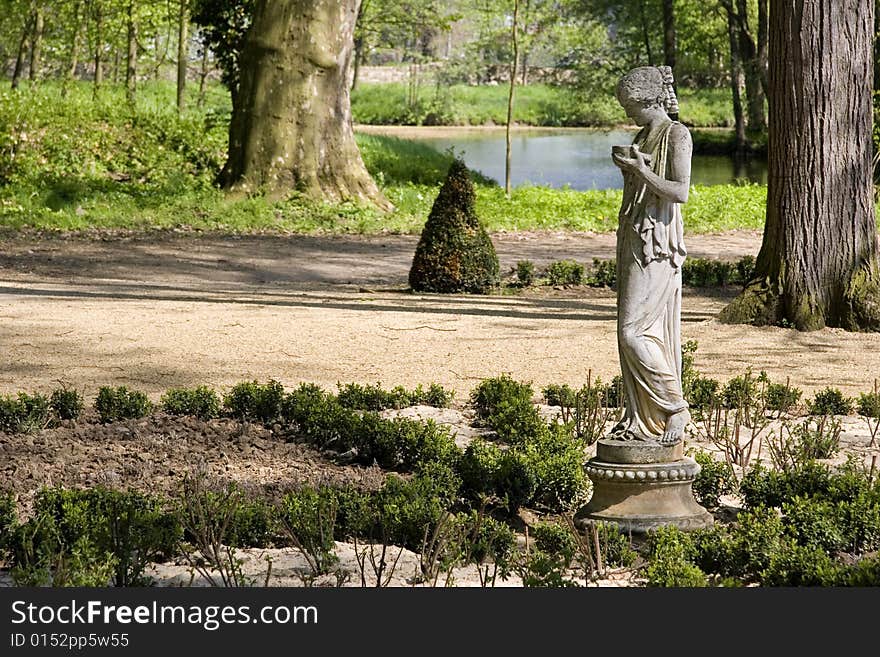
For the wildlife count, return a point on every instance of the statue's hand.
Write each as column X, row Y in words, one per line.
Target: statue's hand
column 638, row 165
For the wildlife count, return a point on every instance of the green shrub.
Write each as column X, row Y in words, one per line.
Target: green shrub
column 404, row 512
column 741, row 391
column 559, row 395
column 603, row 274
column 319, row 417
column 702, row 393
column 67, row 404
column 8, row 520
column 615, row 545
column 25, row 413
column 525, row 273
column 800, row 565
column 121, row 403
column 714, row 480
column 487, row 539
column 866, row 572
column 745, row 269
column 402, row 443
column 868, row 404
column 557, row 460
column 782, row 397
column 254, row 523
column 806, row 441
column 670, row 555
column 201, row 402
column 762, row 487
column 103, row 529
column 479, row 470
column 506, row 406
column 309, row 517
column 375, row 398
column 517, row 480
column 555, row 539
column 830, row 401
column 701, row 272
column 813, row 524
column 454, row 253
column 253, row 401
column 565, row 272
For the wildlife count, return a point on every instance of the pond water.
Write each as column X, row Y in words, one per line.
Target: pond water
column 579, row 158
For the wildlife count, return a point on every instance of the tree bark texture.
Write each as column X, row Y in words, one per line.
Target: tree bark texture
column 291, row 127
column 99, row 47
column 182, row 53
column 131, row 56
column 510, row 97
column 737, row 83
column 73, row 57
column 22, row 50
column 37, row 44
column 669, row 40
column 817, row 266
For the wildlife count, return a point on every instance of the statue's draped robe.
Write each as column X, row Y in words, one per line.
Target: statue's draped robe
column 650, row 252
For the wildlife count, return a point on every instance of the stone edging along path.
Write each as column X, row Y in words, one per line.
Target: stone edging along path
column 160, row 310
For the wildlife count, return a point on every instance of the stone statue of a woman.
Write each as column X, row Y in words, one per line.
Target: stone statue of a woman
column 650, row 252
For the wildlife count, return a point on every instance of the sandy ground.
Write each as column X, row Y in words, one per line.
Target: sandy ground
column 168, row 309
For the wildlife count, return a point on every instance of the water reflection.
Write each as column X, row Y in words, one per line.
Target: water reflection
column 578, row 158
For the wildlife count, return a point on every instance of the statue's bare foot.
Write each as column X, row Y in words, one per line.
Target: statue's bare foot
column 675, row 427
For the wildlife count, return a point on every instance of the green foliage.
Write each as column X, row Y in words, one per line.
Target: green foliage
column 741, row 391
column 375, row 398
column 670, row 555
column 223, row 25
column 782, row 397
column 201, row 401
column 701, row 272
column 255, row 402
column 868, row 404
column 488, row 539
column 830, row 401
column 763, row 487
column 565, row 272
column 804, row 442
column 506, row 406
column 557, row 458
column 120, row 403
column 454, row 253
column 253, row 523
column 813, row 524
column 799, row 565
column 309, row 517
column 525, row 272
column 715, row 479
column 25, row 413
column 553, row 538
column 615, row 546
column 603, row 274
column 8, row 520
column 86, row 537
column 66, row 404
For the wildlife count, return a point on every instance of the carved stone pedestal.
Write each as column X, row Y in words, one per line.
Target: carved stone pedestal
column 641, row 486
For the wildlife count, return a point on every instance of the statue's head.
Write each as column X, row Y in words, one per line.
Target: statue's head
column 647, row 88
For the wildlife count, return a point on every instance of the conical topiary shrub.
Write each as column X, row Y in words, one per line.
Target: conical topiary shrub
column 454, row 253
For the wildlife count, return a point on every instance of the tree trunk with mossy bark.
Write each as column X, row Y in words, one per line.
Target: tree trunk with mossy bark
column 818, row 262
column 291, row 127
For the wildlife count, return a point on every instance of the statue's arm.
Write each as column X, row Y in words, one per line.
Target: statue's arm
column 674, row 188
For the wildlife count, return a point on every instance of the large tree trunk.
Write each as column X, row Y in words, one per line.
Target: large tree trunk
column 99, row 48
column 291, row 126
column 748, row 49
column 182, row 53
column 817, row 265
column 669, row 45
column 73, row 57
column 737, row 83
column 131, row 55
column 22, row 50
column 37, row 43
